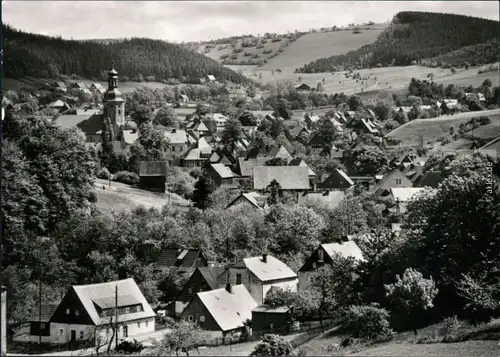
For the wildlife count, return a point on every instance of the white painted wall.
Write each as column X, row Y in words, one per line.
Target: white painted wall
column 179, row 307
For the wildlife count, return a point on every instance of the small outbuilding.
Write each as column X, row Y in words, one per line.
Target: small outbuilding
column 153, row 175
column 266, row 319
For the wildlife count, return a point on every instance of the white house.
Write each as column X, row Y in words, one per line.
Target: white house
column 89, row 311
column 259, row 274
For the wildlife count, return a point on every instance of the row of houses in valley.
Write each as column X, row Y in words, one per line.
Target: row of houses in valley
column 229, row 299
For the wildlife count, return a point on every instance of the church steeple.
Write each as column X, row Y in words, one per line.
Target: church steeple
column 112, row 77
column 114, row 103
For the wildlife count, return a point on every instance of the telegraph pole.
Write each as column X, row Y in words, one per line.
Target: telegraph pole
column 40, row 312
column 116, row 317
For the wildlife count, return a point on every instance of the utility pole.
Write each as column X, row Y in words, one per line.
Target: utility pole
column 40, row 312
column 116, row 317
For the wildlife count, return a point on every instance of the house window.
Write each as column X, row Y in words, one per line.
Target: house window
column 190, row 290
column 61, row 332
column 81, row 335
column 398, row 181
column 320, row 255
column 77, row 312
column 147, row 323
column 127, row 310
column 190, row 318
column 67, row 311
column 42, row 325
column 238, row 279
column 119, row 111
column 202, row 318
column 138, row 325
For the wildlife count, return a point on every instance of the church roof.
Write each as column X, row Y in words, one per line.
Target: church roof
column 113, row 95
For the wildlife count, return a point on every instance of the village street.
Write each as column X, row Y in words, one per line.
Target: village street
column 150, row 337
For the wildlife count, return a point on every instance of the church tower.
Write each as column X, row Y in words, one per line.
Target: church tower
column 113, row 101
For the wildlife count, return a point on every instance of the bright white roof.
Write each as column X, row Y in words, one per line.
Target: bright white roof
column 404, row 194
column 273, row 269
column 346, row 249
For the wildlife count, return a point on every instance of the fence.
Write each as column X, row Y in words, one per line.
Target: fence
column 310, row 329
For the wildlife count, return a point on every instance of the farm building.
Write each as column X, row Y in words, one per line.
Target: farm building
column 153, row 175
column 252, row 200
column 338, row 180
column 202, row 279
column 261, row 273
column 221, row 311
column 221, row 175
column 181, row 258
column 302, row 87
column 87, row 310
column 393, row 179
column 266, row 319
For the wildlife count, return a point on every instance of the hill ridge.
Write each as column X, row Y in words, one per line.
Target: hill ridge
column 411, row 37
column 50, row 57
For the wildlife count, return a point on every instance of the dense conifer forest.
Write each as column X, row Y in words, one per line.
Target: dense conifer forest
column 49, row 57
column 412, row 36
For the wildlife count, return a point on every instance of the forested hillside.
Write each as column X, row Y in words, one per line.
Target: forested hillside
column 48, row 57
column 412, row 36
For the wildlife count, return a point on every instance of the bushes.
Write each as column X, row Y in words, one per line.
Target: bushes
column 103, row 174
column 272, row 345
column 126, row 177
column 129, row 347
column 367, row 322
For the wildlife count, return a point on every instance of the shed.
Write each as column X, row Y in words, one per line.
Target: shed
column 152, row 175
column 267, row 319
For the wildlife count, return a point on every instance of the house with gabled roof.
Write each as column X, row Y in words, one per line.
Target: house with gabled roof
column 60, row 86
column 202, row 279
column 222, row 175
column 290, row 178
column 97, row 87
column 313, row 179
column 311, row 120
column 278, row 151
column 325, row 254
column 252, row 200
column 89, row 310
column 181, row 258
column 259, row 274
column 337, row 180
column 178, row 145
column 198, row 155
column 222, row 311
column 302, row 87
column 402, row 196
column 210, row 78
column 392, row 179
column 245, row 165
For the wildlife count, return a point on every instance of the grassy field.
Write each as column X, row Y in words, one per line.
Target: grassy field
column 393, row 79
column 474, row 342
column 307, row 48
column 319, row 45
column 431, row 129
column 120, row 197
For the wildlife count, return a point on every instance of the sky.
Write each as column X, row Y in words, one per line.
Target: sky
column 178, row 21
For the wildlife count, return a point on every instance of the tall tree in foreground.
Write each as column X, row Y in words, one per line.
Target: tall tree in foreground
column 413, row 294
column 202, row 191
column 275, row 192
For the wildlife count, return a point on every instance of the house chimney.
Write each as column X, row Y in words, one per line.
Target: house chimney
column 264, row 257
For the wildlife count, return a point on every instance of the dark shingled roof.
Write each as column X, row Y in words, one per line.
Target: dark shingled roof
column 173, row 257
column 47, row 312
column 211, row 274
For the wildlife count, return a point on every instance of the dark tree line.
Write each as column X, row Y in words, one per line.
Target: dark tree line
column 49, row 57
column 412, row 36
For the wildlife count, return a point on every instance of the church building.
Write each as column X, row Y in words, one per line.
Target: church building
column 93, row 124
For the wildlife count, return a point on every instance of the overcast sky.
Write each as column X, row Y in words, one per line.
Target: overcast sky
column 178, row 21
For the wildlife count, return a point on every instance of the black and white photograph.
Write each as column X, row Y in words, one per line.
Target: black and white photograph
column 250, row 178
